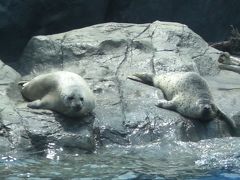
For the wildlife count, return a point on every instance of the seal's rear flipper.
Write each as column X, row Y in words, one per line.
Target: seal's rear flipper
column 231, row 124
column 143, row 78
column 170, row 105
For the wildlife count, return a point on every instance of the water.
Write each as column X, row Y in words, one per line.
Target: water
column 204, row 160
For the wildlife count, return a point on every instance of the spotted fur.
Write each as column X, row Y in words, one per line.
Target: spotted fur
column 186, row 93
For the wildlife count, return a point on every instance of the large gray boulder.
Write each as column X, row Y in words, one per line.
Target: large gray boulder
column 105, row 55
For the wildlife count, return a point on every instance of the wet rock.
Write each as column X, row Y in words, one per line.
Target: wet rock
column 44, row 127
column 10, row 125
column 105, row 54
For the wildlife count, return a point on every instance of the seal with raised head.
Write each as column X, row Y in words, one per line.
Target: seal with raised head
column 64, row 92
column 186, row 93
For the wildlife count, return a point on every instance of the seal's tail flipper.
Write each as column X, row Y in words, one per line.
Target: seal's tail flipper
column 231, row 124
column 22, row 83
column 143, row 78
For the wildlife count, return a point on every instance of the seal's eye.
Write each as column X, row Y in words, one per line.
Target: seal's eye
column 81, row 98
column 70, row 98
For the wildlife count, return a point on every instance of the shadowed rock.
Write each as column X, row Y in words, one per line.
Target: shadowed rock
column 20, row 20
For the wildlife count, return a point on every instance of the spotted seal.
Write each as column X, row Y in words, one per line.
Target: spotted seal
column 186, row 93
column 64, row 92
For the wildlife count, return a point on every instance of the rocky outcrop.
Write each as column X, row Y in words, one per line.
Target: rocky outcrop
column 10, row 128
column 24, row 129
column 21, row 19
column 105, row 55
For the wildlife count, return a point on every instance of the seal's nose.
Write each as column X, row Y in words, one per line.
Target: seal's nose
column 206, row 114
column 77, row 107
column 206, row 107
column 206, row 111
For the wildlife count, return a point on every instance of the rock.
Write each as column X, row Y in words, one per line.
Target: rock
column 9, row 120
column 21, row 19
column 45, row 128
column 23, row 128
column 105, row 54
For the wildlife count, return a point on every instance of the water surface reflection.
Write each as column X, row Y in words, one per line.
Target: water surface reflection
column 207, row 159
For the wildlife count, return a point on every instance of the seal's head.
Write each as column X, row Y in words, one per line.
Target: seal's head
column 206, row 109
column 73, row 99
column 224, row 58
column 74, row 102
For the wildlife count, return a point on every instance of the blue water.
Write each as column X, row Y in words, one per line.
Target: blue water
column 204, row 160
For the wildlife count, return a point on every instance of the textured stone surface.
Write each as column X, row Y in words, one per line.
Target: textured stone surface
column 106, row 54
column 10, row 124
column 24, row 128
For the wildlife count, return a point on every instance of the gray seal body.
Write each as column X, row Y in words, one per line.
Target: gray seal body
column 64, row 92
column 186, row 93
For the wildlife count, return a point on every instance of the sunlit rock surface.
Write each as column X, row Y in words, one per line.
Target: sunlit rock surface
column 125, row 113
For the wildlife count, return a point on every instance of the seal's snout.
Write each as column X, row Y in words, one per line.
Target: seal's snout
column 77, row 107
column 206, row 111
column 206, row 108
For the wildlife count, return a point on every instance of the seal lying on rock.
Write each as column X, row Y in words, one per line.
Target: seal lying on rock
column 228, row 62
column 63, row 92
column 186, row 93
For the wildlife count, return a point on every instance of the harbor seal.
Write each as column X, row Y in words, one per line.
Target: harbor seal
column 186, row 93
column 64, row 92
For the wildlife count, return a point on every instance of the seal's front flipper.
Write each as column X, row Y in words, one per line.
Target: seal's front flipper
column 143, row 78
column 47, row 102
column 231, row 124
column 37, row 104
column 166, row 104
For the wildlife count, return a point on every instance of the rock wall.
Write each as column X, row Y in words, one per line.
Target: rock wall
column 21, row 19
column 105, row 54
